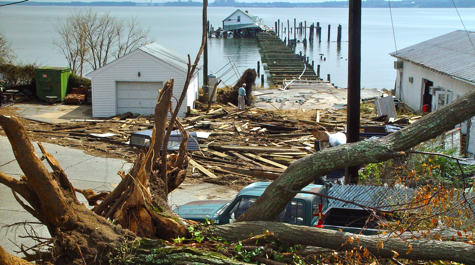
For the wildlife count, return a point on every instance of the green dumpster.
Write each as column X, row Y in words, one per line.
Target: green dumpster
column 52, row 83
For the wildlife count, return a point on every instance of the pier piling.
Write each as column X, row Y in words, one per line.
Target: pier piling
column 338, row 38
column 329, row 31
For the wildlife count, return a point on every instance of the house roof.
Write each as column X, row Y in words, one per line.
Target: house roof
column 162, row 53
column 258, row 22
column 244, row 13
column 452, row 54
column 158, row 51
column 384, row 198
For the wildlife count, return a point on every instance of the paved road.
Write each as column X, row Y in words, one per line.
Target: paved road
column 84, row 171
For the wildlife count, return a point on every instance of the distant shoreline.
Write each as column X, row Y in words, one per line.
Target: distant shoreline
column 332, row 4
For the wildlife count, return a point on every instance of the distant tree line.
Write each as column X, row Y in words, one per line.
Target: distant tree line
column 367, row 3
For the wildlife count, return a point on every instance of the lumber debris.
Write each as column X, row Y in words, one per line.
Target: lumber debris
column 202, row 169
column 246, row 144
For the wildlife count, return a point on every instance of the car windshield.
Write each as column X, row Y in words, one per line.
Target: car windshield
column 292, row 214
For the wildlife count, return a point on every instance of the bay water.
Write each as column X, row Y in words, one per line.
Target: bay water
column 31, row 31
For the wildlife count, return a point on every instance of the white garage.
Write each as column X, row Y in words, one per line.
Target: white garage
column 132, row 82
column 137, row 97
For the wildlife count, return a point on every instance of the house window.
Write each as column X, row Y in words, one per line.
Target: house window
column 239, row 19
column 443, row 98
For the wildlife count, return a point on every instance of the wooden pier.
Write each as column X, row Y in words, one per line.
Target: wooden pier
column 281, row 61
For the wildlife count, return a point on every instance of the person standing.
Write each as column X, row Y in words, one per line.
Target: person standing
column 242, row 97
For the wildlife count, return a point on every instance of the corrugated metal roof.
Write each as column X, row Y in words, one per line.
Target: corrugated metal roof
column 162, row 53
column 452, row 54
column 371, row 196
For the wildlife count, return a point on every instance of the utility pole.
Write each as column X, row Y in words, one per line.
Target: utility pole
column 354, row 83
column 205, row 55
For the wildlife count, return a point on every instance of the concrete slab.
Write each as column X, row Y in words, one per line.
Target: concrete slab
column 52, row 113
column 307, row 96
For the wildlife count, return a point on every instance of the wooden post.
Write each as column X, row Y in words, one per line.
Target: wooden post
column 328, row 78
column 205, row 57
column 262, row 80
column 295, row 32
column 338, row 38
column 258, row 67
column 318, row 71
column 275, row 30
column 329, row 29
column 319, row 34
column 305, row 33
column 282, row 28
column 310, row 34
column 288, row 33
column 278, row 28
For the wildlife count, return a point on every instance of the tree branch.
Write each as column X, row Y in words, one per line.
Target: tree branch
column 307, row 169
column 380, row 247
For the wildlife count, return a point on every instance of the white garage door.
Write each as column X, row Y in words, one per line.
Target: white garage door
column 137, row 97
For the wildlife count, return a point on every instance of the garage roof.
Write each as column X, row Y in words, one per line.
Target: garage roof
column 162, row 53
column 452, row 54
column 158, row 51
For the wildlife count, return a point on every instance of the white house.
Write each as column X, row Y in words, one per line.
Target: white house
column 435, row 72
column 242, row 20
column 131, row 83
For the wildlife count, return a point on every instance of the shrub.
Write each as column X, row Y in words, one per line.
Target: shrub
column 77, row 81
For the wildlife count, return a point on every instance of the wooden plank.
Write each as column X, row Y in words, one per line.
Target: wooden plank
column 287, row 135
column 254, row 172
column 247, row 159
column 219, row 154
column 217, row 160
column 202, row 169
column 230, row 172
column 238, row 129
column 266, row 160
column 254, row 149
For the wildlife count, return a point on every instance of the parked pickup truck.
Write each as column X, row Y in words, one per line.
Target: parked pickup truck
column 300, row 211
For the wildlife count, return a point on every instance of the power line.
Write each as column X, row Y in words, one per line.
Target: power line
column 14, row 3
column 392, row 24
column 468, row 35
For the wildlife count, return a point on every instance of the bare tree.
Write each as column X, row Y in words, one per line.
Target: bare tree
column 90, row 39
column 72, row 42
column 135, row 37
column 6, row 51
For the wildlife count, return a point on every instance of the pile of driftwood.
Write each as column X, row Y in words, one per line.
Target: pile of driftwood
column 253, row 143
column 260, row 143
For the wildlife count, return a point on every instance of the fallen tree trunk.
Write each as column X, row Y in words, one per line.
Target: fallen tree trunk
column 304, row 171
column 382, row 247
column 52, row 200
